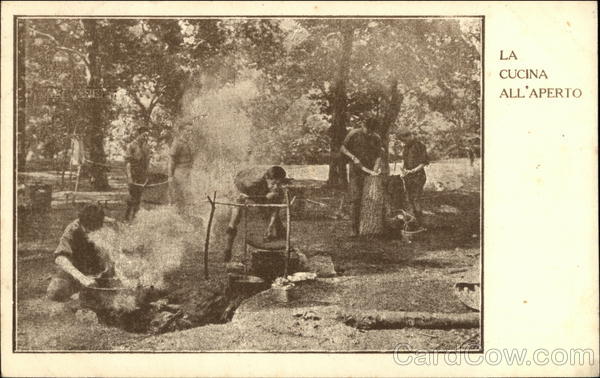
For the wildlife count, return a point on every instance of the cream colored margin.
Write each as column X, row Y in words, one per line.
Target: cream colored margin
column 541, row 209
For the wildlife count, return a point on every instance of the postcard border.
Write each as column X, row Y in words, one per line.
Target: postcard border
column 481, row 193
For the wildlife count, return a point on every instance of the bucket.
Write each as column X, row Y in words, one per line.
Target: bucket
column 156, row 194
column 284, row 294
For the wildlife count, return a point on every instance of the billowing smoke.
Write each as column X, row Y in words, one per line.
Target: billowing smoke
column 153, row 245
column 220, row 134
column 220, row 131
column 149, row 248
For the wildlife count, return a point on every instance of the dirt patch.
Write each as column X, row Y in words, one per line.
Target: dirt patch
column 372, row 274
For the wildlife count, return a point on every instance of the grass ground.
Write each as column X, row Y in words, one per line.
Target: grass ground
column 372, row 275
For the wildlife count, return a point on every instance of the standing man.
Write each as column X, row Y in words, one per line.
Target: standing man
column 257, row 186
column 180, row 167
column 414, row 156
column 137, row 160
column 77, row 258
column 363, row 147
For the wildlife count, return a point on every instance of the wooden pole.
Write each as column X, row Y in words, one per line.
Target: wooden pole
column 77, row 181
column 251, row 204
column 288, row 224
column 245, row 239
column 208, row 227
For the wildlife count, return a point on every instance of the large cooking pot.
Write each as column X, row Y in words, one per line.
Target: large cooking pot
column 110, row 294
column 102, row 296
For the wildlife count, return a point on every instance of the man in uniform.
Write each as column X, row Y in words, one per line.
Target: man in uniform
column 258, row 186
column 180, row 166
column 414, row 156
column 77, row 258
column 137, row 159
column 363, row 147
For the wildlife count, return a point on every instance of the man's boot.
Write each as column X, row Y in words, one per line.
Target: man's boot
column 231, row 233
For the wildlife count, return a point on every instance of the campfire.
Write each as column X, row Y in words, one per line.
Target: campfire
column 142, row 254
column 148, row 250
column 137, row 296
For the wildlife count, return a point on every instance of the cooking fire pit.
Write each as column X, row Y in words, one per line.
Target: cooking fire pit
column 148, row 310
column 127, row 308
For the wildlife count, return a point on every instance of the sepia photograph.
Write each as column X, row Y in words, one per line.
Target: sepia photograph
column 248, row 184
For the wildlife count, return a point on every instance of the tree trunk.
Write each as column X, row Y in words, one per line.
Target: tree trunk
column 95, row 127
column 337, row 164
column 376, row 203
column 392, row 109
column 372, row 210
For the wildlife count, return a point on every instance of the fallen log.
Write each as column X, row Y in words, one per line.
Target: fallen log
column 400, row 319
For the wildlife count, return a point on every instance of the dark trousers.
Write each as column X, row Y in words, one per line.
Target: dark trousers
column 414, row 184
column 133, row 201
column 355, row 190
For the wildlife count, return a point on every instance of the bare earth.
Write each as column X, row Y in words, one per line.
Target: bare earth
column 372, row 275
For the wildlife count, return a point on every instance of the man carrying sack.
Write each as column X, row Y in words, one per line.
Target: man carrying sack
column 363, row 147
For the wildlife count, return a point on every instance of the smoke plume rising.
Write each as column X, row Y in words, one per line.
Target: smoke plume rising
column 149, row 248
column 219, row 132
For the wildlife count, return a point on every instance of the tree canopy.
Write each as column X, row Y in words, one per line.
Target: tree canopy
column 315, row 79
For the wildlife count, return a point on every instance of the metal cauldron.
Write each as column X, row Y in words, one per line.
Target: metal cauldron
column 109, row 292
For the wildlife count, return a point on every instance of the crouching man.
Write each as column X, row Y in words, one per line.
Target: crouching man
column 257, row 186
column 77, row 258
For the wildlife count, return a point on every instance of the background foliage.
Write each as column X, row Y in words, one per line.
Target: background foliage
column 102, row 78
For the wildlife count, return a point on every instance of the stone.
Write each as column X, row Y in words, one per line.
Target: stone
column 447, row 209
column 302, row 276
column 282, row 293
column 160, row 320
column 234, row 267
column 173, row 307
column 322, row 265
column 302, row 260
column 86, row 316
column 310, row 315
column 160, row 304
